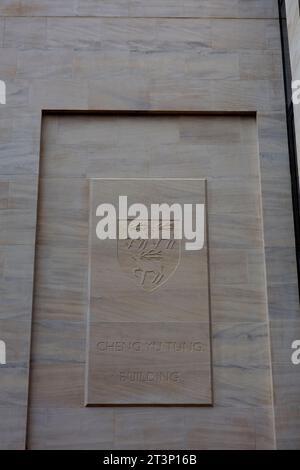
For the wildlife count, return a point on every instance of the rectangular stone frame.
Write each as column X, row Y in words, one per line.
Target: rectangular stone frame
column 175, row 377
column 262, row 127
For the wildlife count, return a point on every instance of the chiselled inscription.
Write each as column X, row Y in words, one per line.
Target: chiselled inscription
column 148, row 321
column 151, row 346
column 149, row 377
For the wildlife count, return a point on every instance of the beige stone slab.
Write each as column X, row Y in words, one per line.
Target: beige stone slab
column 62, row 305
column 276, row 193
column 279, row 231
column 16, row 298
column 260, row 65
column 154, row 160
column 18, row 191
column 6, row 124
column 276, row 95
column 256, row 265
column 17, row 157
column 194, row 429
column 209, row 131
column 213, row 65
column 249, row 95
column 77, row 32
column 64, row 204
column 68, row 228
column 243, row 430
column 16, row 274
column 163, row 31
column 58, row 340
column 124, row 293
column 61, row 283
column 17, row 262
column 4, row 189
column 266, row 8
column 124, row 8
column 234, row 267
column 241, row 373
column 150, row 428
column 222, row 160
column 230, row 160
column 281, row 265
column 121, row 296
column 131, row 130
column 173, row 8
column 274, row 163
column 89, row 65
column 68, row 193
column 44, row 64
column 65, row 161
column 234, row 96
column 87, row 429
column 17, row 227
column 238, row 302
column 273, row 34
column 153, row 363
column 25, row 33
column 188, row 96
column 103, row 8
column 177, row 65
column 287, row 424
column 265, row 438
column 58, row 94
column 57, row 385
column 19, row 143
column 286, row 383
column 130, row 93
column 242, row 385
column 12, row 427
column 284, row 301
column 228, row 267
column 234, row 195
column 35, row 8
column 272, row 135
column 236, row 230
column 129, row 34
column 250, row 340
column 13, row 384
column 231, row 34
column 234, row 304
column 8, row 63
column 22, row 191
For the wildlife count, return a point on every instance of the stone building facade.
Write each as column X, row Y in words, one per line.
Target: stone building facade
column 146, row 89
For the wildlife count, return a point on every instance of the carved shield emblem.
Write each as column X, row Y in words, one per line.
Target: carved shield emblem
column 149, row 263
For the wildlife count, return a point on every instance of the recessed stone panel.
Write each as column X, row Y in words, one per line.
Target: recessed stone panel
column 149, row 319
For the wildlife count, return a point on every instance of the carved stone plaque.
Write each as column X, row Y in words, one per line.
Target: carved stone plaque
column 149, row 310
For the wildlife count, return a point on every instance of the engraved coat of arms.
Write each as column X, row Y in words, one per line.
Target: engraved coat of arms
column 149, row 262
